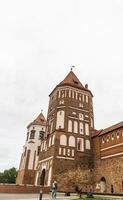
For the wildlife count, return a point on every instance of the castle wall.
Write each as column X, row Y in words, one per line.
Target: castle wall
column 112, row 170
column 108, row 156
column 6, row 188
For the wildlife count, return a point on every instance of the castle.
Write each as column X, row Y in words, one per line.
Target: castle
column 68, row 139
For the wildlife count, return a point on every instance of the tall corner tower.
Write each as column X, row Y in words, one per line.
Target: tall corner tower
column 70, row 122
column 31, row 149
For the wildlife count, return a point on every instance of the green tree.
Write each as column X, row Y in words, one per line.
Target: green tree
column 8, row 176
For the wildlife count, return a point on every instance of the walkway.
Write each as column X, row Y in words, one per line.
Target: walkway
column 45, row 197
column 33, row 197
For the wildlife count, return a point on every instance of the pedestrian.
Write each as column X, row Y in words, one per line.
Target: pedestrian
column 41, row 193
column 54, row 189
column 112, row 189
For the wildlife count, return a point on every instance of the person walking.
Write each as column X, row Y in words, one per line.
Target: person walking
column 112, row 189
column 54, row 189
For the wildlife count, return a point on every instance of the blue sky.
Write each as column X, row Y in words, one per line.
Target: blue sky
column 39, row 41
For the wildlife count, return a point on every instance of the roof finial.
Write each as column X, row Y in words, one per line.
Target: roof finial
column 41, row 111
column 72, row 68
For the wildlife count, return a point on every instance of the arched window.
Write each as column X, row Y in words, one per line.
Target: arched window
column 70, row 126
column 75, row 127
column 63, row 140
column 87, row 144
column 80, row 144
column 53, row 139
column 60, row 119
column 71, row 141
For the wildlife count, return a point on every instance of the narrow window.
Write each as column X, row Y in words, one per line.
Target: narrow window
column 73, row 94
column 69, row 93
column 83, row 97
column 72, row 141
column 76, row 95
column 68, row 152
column 81, row 128
column 80, row 105
column 72, row 152
column 50, row 142
column 53, row 140
column 60, row 119
column 80, row 144
column 80, row 98
column 38, row 151
column 70, row 126
column 87, row 143
column 32, row 134
column 87, row 129
column 86, row 99
column 91, row 122
column 60, row 151
column 64, row 151
column 59, row 95
column 75, row 127
column 41, row 135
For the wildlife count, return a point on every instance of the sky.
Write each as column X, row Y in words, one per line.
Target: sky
column 39, row 41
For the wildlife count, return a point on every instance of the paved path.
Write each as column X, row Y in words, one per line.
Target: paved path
column 33, row 197
column 46, row 197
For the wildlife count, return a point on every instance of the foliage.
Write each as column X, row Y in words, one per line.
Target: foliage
column 8, row 176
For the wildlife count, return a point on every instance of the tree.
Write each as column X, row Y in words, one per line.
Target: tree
column 8, row 176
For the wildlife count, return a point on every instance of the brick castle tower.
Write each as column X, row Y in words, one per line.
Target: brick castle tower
column 70, row 123
column 31, row 150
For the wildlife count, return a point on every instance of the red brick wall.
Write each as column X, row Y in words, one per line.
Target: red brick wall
column 4, row 188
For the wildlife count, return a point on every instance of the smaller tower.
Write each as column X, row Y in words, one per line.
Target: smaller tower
column 31, row 149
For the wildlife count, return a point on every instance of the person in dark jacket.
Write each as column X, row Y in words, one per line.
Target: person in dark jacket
column 54, row 189
column 112, row 189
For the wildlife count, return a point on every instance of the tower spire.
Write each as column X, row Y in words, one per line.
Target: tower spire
column 72, row 68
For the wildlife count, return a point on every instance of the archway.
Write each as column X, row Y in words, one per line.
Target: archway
column 42, row 177
column 103, row 184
